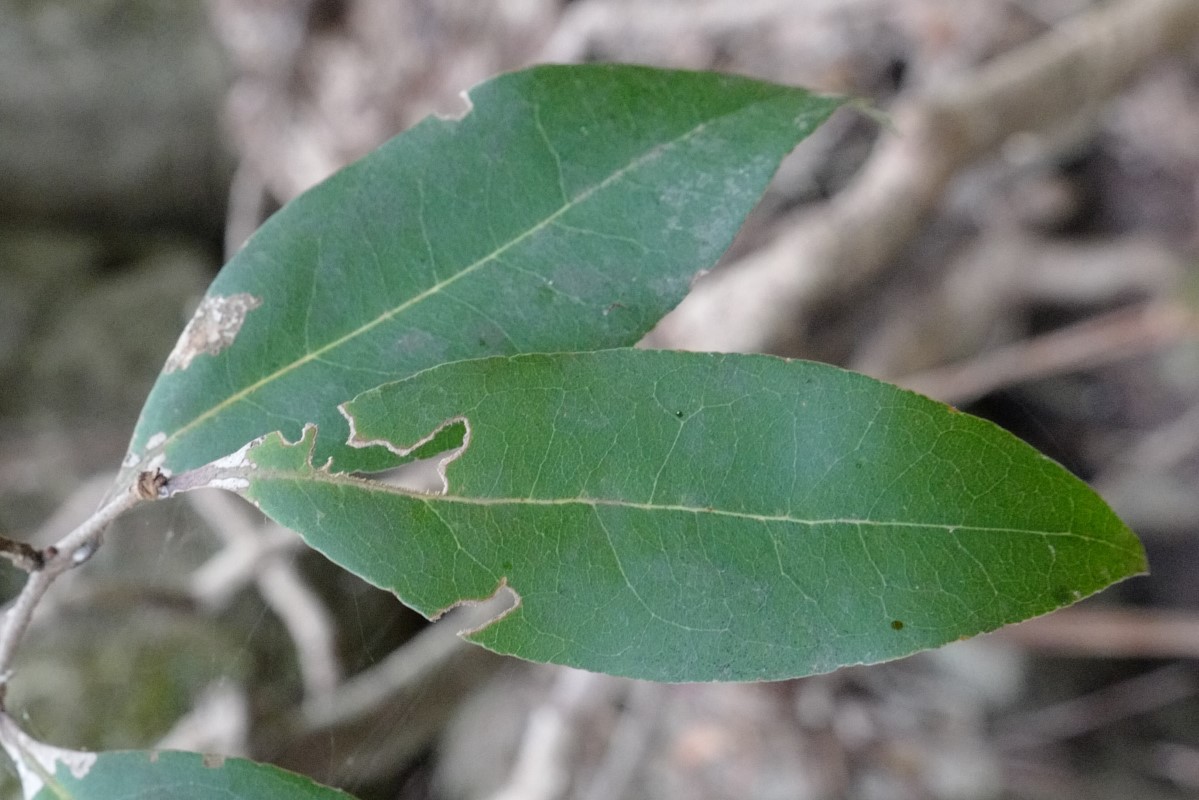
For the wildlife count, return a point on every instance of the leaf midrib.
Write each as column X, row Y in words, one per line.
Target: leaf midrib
column 351, row 481
column 653, row 153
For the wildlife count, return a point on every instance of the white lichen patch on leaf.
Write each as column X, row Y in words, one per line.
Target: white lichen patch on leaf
column 38, row 762
column 227, row 472
column 238, row 459
column 229, row 484
column 135, row 457
column 212, row 328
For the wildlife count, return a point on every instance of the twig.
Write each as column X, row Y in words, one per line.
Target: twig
column 70, row 551
column 761, row 302
column 1105, row 339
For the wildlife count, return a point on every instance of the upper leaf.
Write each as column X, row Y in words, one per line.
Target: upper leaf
column 685, row 516
column 568, row 210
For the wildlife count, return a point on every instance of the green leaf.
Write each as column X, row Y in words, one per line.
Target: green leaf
column 142, row 775
column 693, row 517
column 568, row 210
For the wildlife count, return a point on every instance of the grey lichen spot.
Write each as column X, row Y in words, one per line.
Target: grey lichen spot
column 213, row 327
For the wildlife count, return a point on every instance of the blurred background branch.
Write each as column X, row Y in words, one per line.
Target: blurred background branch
column 1022, row 241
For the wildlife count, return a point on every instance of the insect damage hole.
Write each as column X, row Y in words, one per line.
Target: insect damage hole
column 472, row 615
column 212, row 328
column 455, row 110
column 445, row 444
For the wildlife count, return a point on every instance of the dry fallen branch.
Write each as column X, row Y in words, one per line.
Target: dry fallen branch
column 219, row 722
column 1147, row 692
column 1001, row 278
column 760, row 303
column 1110, row 633
column 1162, row 449
column 543, row 761
column 1111, row 337
column 627, row 745
column 405, row 668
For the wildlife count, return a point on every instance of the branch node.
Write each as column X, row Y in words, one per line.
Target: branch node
column 23, row 556
column 151, row 484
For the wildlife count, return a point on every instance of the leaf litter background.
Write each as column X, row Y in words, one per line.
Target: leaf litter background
column 141, row 143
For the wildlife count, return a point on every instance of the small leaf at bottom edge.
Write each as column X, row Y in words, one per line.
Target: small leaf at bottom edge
column 125, row 775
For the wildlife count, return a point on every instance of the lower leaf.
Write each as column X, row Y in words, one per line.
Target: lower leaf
column 125, row 775
column 693, row 517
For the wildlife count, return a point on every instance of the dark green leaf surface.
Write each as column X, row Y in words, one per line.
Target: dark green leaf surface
column 167, row 775
column 690, row 517
column 568, row 210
